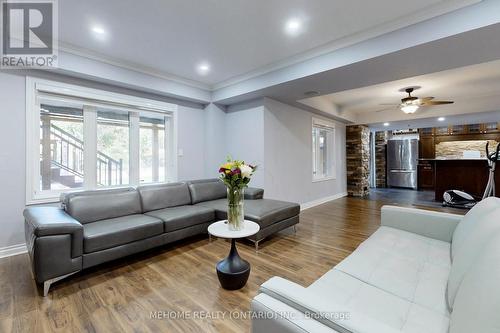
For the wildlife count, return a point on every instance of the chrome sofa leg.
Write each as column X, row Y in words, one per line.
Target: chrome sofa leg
column 209, row 238
column 294, row 228
column 256, row 245
column 48, row 283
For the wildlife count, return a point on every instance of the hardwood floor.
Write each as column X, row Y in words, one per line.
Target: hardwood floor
column 121, row 296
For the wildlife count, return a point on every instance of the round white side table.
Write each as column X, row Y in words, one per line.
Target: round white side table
column 233, row 271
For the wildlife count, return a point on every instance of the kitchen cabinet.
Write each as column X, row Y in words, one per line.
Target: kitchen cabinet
column 427, row 147
column 485, row 131
column 468, row 175
column 475, row 128
column 425, row 175
column 442, row 130
column 457, row 129
column 426, row 132
column 491, row 128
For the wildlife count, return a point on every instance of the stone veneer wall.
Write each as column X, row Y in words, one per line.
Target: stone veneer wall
column 358, row 160
column 380, row 158
column 454, row 149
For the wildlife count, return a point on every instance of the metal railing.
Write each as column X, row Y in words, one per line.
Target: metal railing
column 67, row 153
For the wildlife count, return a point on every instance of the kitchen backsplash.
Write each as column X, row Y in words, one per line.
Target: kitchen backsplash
column 455, row 149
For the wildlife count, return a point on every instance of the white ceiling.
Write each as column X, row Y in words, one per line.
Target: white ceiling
column 171, row 37
column 474, row 88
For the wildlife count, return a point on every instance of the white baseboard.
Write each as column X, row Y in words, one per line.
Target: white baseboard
column 12, row 250
column 318, row 202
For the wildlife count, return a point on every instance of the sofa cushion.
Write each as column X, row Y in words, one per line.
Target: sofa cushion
column 159, row 196
column 469, row 223
column 407, row 265
column 253, row 193
column 180, row 217
column 263, row 211
column 90, row 206
column 369, row 309
column 206, row 189
column 485, row 226
column 477, row 302
column 109, row 233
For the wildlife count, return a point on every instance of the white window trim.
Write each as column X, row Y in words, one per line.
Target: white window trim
column 34, row 86
column 320, row 122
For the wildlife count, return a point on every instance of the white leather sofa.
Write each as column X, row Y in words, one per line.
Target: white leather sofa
column 421, row 271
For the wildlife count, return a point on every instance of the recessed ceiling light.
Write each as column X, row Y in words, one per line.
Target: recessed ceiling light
column 441, row 119
column 386, row 124
column 98, row 30
column 311, row 93
column 203, row 68
column 294, row 26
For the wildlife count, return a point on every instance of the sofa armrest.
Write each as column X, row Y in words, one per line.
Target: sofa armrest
column 54, row 241
column 271, row 315
column 253, row 193
column 47, row 221
column 336, row 316
column 423, row 222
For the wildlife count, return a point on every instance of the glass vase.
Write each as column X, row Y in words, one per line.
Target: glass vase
column 235, row 215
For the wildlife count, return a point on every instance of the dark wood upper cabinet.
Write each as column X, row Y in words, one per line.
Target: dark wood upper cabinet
column 457, row 129
column 488, row 131
column 445, row 130
column 491, row 128
column 475, row 128
column 426, row 131
column 426, row 147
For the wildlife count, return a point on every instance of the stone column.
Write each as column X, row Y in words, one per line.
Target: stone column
column 358, row 160
column 380, row 158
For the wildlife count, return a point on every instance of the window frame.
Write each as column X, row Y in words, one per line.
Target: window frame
column 331, row 151
column 92, row 98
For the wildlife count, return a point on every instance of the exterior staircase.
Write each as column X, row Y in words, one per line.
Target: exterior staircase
column 65, row 178
column 66, row 162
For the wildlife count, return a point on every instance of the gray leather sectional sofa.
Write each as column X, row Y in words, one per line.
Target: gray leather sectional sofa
column 93, row 227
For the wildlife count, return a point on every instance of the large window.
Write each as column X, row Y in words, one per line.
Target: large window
column 152, row 149
column 113, row 147
column 323, row 136
column 80, row 138
column 61, row 145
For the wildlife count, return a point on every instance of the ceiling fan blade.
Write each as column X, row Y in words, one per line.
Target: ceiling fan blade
column 426, row 98
column 394, row 107
column 437, row 103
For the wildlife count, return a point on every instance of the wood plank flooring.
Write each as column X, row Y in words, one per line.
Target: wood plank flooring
column 180, row 279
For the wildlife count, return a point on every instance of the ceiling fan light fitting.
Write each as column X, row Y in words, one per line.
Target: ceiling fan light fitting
column 409, row 108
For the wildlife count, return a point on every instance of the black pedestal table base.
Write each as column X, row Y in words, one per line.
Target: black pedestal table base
column 233, row 271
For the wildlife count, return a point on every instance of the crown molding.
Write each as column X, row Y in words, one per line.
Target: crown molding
column 65, row 47
column 402, row 22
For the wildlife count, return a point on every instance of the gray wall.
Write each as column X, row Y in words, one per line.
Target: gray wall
column 288, row 157
column 245, row 139
column 12, row 161
column 191, row 138
column 191, row 135
column 278, row 138
column 215, row 139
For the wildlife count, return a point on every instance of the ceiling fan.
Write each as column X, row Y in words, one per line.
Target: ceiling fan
column 410, row 104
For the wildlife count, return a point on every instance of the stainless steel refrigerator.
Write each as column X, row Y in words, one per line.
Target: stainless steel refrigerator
column 402, row 160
